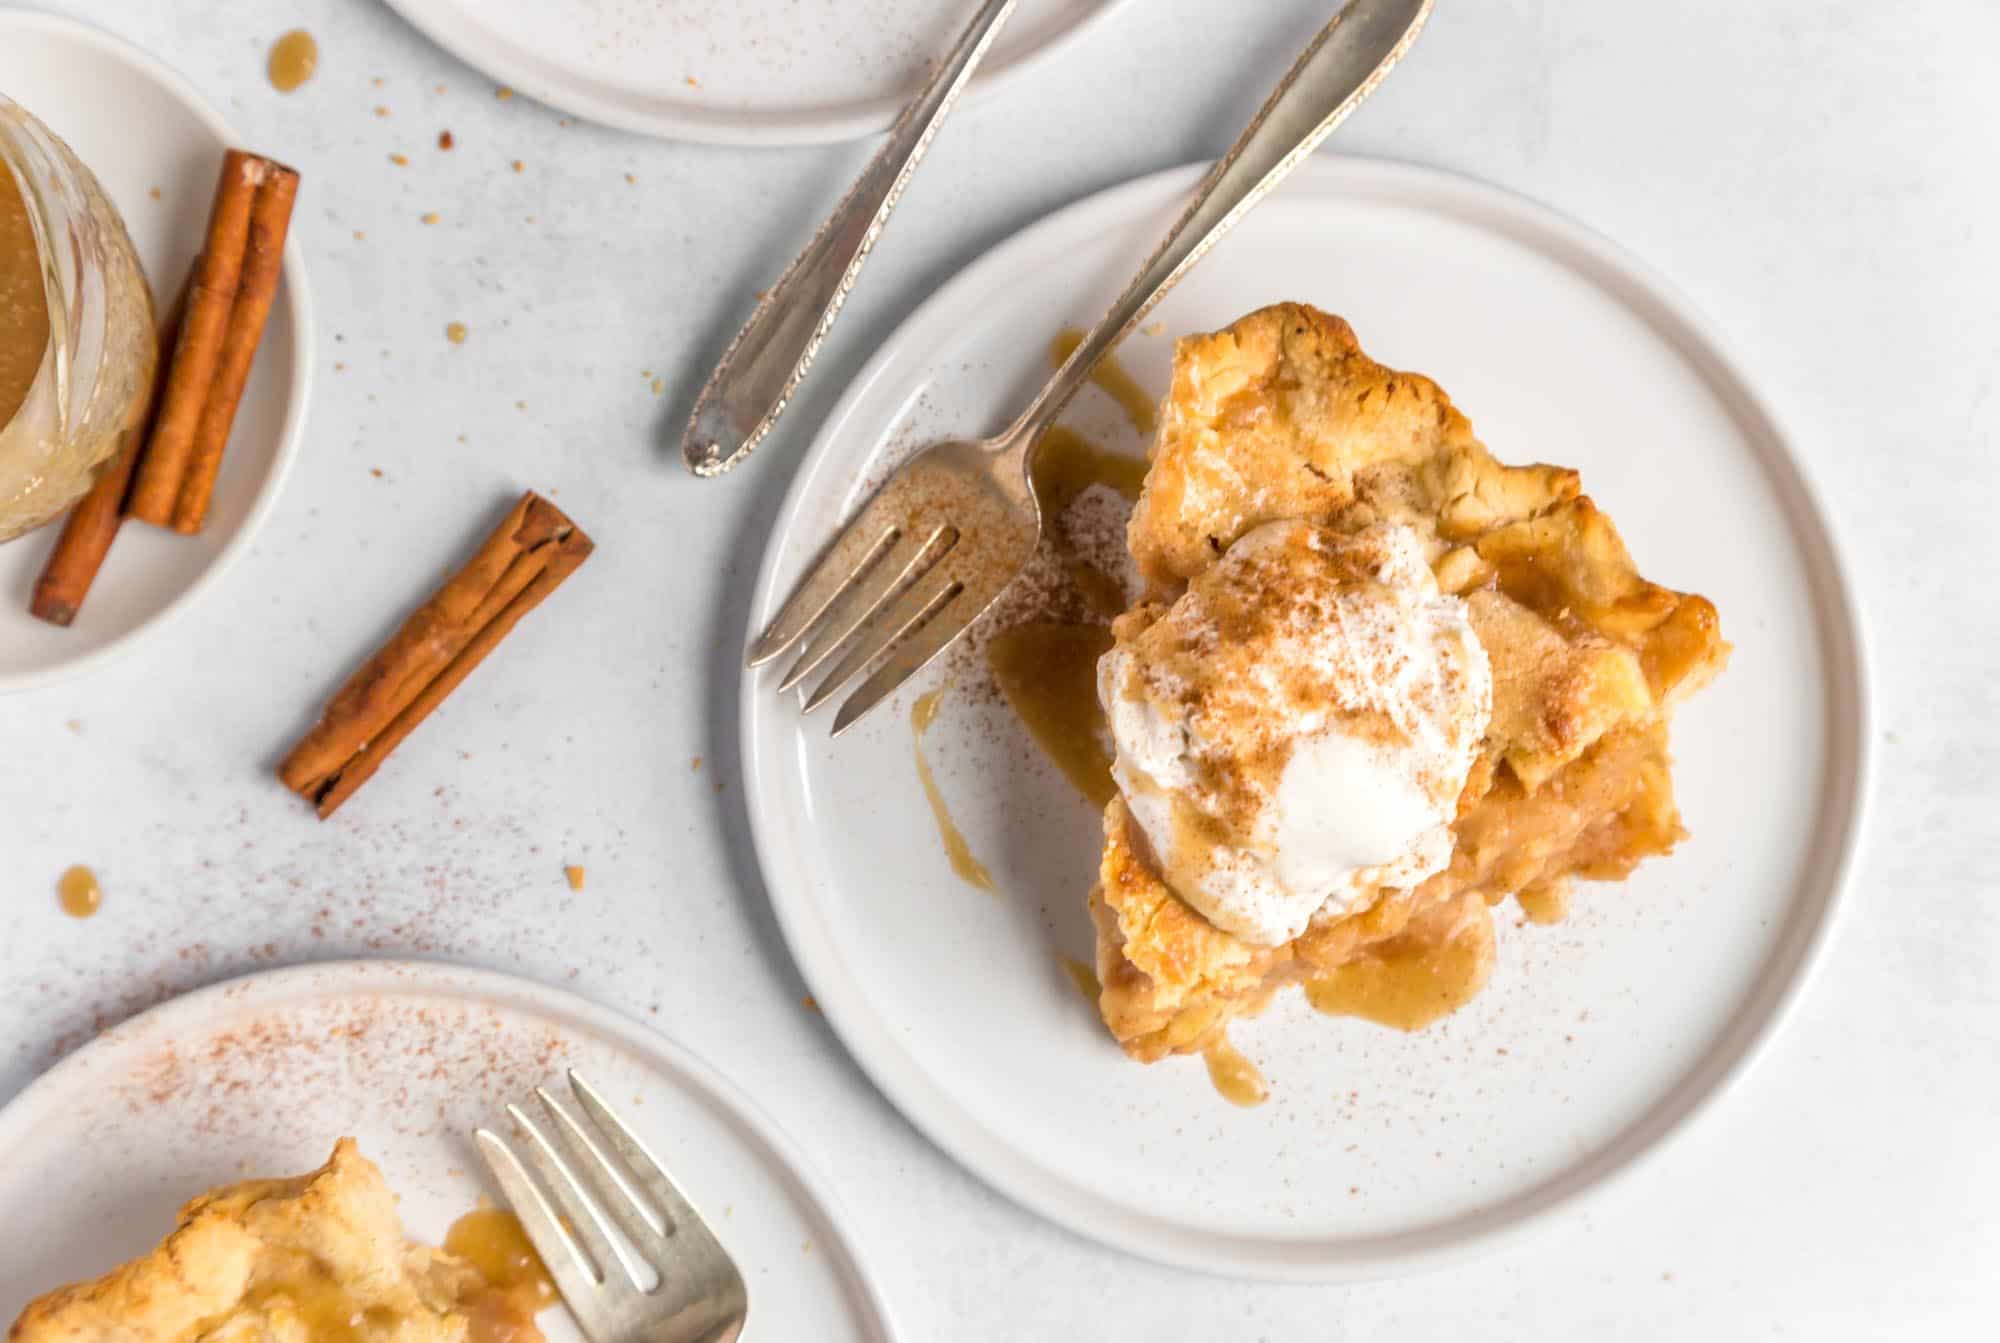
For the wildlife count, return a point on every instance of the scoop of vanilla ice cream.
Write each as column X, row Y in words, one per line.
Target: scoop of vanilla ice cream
column 1293, row 733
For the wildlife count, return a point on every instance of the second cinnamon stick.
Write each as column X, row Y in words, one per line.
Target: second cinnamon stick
column 235, row 281
column 211, row 294
column 256, row 291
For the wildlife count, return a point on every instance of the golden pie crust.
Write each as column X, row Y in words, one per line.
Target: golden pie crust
column 302, row 1260
column 1282, row 416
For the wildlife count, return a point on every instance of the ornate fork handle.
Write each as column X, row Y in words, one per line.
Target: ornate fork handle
column 1332, row 77
column 764, row 365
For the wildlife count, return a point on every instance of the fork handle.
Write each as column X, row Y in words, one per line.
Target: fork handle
column 1342, row 66
column 764, row 365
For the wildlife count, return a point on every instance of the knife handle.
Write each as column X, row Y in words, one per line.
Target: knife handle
column 764, row 365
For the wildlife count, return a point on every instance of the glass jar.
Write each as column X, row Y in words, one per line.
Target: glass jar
column 87, row 353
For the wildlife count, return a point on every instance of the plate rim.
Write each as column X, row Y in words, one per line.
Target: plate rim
column 1758, row 1018
column 298, row 389
column 493, row 58
column 308, row 981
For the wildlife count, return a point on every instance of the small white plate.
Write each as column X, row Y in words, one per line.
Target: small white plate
column 142, row 128
column 749, row 72
column 1378, row 1152
column 259, row 1075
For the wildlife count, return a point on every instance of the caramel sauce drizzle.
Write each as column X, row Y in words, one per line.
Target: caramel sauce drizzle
column 969, row 869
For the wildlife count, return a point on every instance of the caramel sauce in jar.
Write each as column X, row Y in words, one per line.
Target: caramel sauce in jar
column 78, row 349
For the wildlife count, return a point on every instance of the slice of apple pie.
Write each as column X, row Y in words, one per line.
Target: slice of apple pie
column 1379, row 683
column 314, row 1258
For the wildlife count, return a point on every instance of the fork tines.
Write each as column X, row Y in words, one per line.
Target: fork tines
column 625, row 1247
column 917, row 565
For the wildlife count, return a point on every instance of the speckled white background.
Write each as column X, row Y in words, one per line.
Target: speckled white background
column 1817, row 176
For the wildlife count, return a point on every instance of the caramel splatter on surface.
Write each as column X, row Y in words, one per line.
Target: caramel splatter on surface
column 78, row 892
column 455, row 332
column 574, row 874
column 401, row 161
column 444, row 140
column 503, row 93
column 293, row 59
column 430, row 218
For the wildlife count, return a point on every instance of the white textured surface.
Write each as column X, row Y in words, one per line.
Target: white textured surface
column 1828, row 204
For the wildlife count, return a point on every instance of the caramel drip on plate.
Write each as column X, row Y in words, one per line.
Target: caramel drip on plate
column 1067, row 464
column 1110, row 375
column 517, row 1283
column 1047, row 669
column 1085, row 980
column 1235, row 1077
column 1419, row 977
column 969, row 869
column 1048, row 672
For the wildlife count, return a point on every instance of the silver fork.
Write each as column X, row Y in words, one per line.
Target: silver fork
column 933, row 548
column 668, row 1280
column 754, row 380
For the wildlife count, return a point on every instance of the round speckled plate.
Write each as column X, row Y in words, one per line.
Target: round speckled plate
column 1378, row 1152
column 755, row 72
column 259, row 1075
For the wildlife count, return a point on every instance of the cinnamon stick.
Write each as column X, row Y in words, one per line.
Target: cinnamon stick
column 86, row 539
column 93, row 523
column 524, row 559
column 256, row 291
column 235, row 282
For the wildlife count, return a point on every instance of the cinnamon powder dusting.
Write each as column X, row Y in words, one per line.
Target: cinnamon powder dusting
column 427, row 1067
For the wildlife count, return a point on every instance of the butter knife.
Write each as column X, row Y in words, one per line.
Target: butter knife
column 764, row 365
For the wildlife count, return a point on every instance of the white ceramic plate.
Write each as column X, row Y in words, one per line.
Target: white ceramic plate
column 259, row 1075
column 141, row 127
column 756, row 72
column 1378, row 1152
